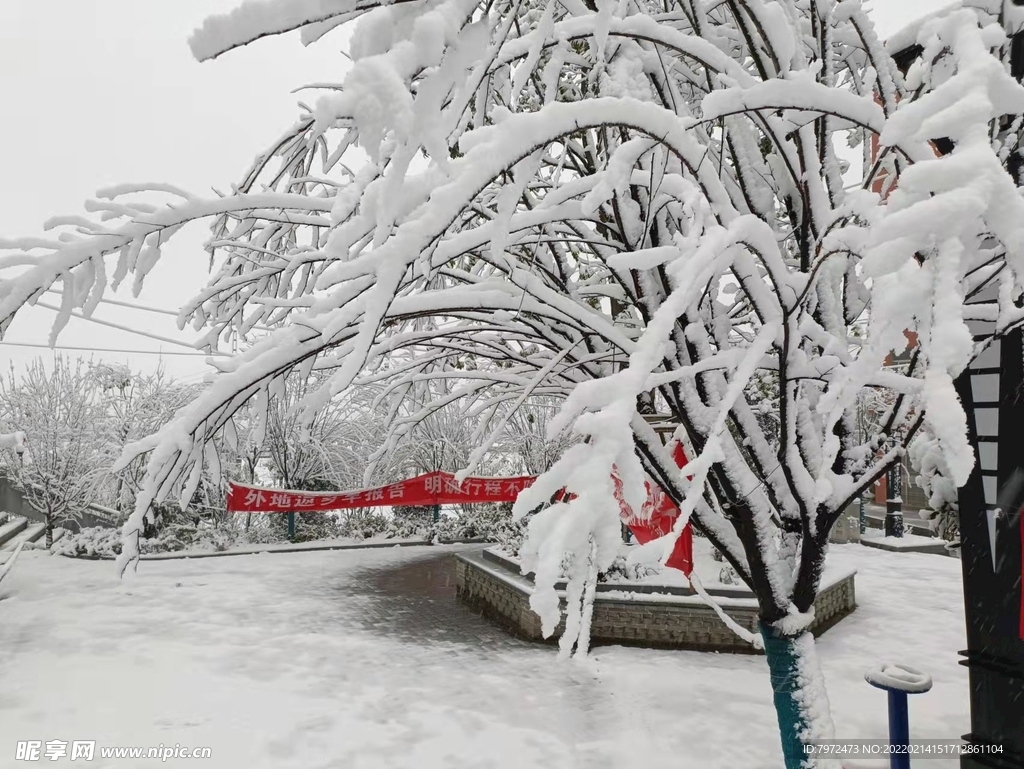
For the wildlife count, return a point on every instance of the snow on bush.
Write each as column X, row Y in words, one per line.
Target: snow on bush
column 488, row 522
column 936, row 480
column 625, row 569
column 89, row 543
column 100, row 542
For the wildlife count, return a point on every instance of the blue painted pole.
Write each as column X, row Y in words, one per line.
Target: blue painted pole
column 899, row 730
column 898, row 681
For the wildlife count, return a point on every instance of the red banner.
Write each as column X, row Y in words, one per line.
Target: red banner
column 437, row 488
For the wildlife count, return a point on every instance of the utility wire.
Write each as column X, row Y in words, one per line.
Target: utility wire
column 120, row 327
column 144, row 307
column 121, row 303
column 108, row 349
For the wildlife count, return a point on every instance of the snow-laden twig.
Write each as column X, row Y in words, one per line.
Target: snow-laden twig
column 753, row 639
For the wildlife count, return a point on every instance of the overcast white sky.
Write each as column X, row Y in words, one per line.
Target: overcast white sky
column 98, row 93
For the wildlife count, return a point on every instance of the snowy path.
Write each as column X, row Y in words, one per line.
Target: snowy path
column 362, row 659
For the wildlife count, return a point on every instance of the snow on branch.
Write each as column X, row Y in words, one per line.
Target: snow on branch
column 602, row 207
column 254, row 19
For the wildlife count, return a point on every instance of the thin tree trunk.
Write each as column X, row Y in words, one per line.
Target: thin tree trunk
column 252, row 480
column 801, row 702
column 589, row 591
column 49, row 531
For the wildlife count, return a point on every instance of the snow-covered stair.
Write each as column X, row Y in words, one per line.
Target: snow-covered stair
column 12, row 529
column 31, row 533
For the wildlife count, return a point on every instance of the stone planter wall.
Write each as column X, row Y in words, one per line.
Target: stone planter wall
column 633, row 618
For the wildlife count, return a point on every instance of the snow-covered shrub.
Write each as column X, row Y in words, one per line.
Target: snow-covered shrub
column 309, row 526
column 936, row 481
column 263, row 535
column 486, row 521
column 490, row 522
column 366, row 523
column 362, row 524
column 510, row 534
column 407, row 520
column 204, row 535
column 633, row 562
column 192, row 528
column 93, row 542
column 100, row 542
column 624, row 569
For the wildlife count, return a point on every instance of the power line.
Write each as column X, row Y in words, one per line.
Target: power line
column 143, row 307
column 108, row 349
column 120, row 327
column 132, row 305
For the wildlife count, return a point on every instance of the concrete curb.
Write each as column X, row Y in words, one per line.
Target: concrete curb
column 939, row 548
column 299, row 549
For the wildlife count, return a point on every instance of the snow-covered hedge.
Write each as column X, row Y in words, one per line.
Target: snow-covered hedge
column 89, row 543
column 622, row 569
column 106, row 543
column 491, row 522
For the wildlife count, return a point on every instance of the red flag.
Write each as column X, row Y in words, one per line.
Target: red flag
column 657, row 518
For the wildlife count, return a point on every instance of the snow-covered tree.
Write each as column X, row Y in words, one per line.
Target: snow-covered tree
column 440, row 440
column 133, row 405
column 302, row 454
column 594, row 201
column 59, row 414
column 527, row 444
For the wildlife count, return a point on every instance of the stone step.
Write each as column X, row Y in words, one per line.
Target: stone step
column 908, row 544
column 10, row 530
column 31, row 533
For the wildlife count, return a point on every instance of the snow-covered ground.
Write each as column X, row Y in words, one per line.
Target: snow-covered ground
column 290, row 660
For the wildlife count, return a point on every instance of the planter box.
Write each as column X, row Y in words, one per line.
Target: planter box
column 647, row 615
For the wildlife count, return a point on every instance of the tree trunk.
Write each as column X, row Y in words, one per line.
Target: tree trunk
column 801, row 703
column 589, row 591
column 49, row 531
